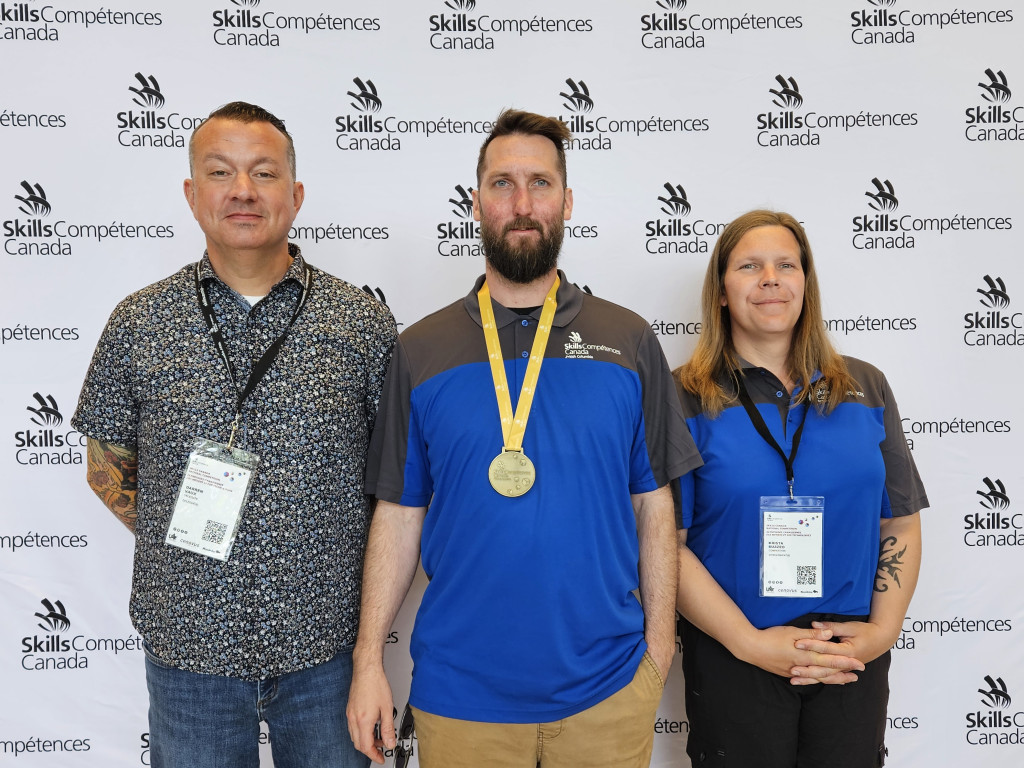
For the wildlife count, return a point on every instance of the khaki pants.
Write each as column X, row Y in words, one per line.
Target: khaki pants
column 615, row 733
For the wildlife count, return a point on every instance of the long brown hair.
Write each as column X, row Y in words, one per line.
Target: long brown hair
column 715, row 358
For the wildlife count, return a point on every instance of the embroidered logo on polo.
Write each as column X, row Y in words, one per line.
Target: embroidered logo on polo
column 577, row 348
column 993, row 117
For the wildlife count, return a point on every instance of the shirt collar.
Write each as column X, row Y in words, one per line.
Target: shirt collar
column 568, row 296
column 746, row 365
column 296, row 270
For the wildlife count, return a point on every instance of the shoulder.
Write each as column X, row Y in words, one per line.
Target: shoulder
column 608, row 312
column 330, row 291
column 446, row 322
column 157, row 298
column 690, row 402
column 872, row 386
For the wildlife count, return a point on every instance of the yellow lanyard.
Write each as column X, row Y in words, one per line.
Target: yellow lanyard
column 514, row 428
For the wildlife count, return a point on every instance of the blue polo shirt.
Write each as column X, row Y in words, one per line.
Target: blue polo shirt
column 856, row 457
column 530, row 614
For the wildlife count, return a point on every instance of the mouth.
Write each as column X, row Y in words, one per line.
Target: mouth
column 243, row 216
column 522, row 226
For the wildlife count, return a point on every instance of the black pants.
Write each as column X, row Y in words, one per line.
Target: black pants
column 743, row 717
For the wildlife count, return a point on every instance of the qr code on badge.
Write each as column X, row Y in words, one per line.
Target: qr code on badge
column 214, row 532
column 806, row 574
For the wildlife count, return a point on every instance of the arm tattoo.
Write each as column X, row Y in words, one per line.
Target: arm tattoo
column 890, row 563
column 113, row 475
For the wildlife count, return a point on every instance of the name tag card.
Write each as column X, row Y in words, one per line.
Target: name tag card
column 210, row 499
column 792, row 538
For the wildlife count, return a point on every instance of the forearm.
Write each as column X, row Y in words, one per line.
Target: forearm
column 113, row 477
column 703, row 602
column 657, row 569
column 392, row 553
column 899, row 562
column 804, row 656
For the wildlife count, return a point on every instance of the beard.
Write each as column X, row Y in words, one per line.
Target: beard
column 525, row 262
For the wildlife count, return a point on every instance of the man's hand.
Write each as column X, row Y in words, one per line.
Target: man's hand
column 370, row 704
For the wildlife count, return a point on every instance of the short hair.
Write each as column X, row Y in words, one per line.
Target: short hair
column 243, row 112
column 516, row 121
column 714, row 357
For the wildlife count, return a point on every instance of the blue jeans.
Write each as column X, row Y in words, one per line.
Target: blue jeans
column 211, row 721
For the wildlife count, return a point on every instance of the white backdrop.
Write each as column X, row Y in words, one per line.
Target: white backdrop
column 892, row 128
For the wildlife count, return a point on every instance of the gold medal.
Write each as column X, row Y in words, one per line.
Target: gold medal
column 511, row 473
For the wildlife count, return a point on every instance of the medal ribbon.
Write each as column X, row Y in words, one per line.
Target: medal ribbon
column 514, row 428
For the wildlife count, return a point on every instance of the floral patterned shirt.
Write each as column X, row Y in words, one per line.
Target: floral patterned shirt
column 288, row 597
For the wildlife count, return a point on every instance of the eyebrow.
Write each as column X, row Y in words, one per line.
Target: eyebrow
column 265, row 160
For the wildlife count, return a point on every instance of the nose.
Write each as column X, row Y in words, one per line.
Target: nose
column 770, row 277
column 522, row 205
column 242, row 188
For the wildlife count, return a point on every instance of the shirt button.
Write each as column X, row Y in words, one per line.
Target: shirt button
column 526, row 322
column 779, row 393
column 525, row 353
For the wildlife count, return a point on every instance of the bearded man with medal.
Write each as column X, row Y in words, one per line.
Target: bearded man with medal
column 228, row 409
column 525, row 444
column 801, row 542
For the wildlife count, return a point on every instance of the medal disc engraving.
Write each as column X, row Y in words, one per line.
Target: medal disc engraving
column 511, row 473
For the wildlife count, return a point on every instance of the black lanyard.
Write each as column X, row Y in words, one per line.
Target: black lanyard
column 260, row 368
column 762, row 429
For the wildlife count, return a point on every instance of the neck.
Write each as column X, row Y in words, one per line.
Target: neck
column 771, row 354
column 510, row 294
column 250, row 273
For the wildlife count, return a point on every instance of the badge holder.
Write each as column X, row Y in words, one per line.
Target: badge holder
column 792, row 537
column 210, row 499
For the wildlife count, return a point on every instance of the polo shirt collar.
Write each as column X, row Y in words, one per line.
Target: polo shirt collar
column 568, row 296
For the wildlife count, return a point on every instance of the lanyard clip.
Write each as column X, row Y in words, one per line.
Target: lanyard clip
column 790, row 484
column 234, row 428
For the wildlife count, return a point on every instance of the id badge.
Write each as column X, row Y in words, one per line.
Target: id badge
column 792, row 539
column 210, row 499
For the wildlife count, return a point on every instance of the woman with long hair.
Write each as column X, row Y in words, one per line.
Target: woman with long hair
column 800, row 542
